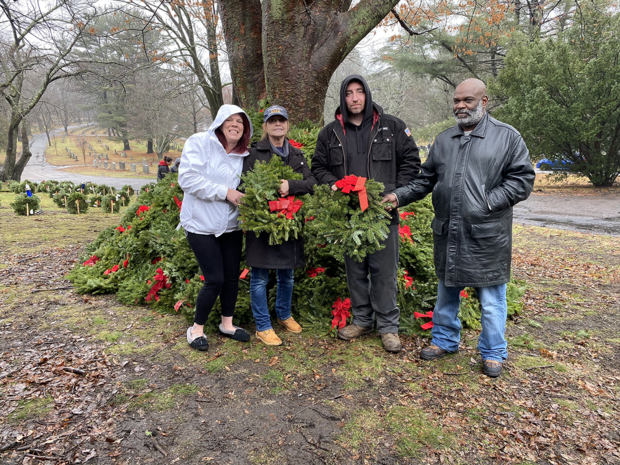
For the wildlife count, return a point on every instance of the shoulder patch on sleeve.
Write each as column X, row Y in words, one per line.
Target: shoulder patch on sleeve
column 408, row 132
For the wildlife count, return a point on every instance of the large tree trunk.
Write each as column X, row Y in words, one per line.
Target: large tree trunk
column 241, row 20
column 26, row 153
column 11, row 149
column 301, row 45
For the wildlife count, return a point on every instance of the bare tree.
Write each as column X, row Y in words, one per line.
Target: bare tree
column 193, row 28
column 35, row 50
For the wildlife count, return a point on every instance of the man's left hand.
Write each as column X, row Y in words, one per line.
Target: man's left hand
column 283, row 188
column 391, row 200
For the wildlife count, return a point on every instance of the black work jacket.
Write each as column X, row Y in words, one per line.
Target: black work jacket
column 393, row 157
column 289, row 254
column 475, row 182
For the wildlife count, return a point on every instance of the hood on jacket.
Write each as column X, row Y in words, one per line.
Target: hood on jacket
column 162, row 163
column 368, row 107
column 222, row 114
column 177, row 161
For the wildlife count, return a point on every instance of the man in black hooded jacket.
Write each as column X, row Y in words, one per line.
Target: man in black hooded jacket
column 363, row 141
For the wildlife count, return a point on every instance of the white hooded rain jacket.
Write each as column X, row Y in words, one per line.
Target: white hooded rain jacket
column 205, row 175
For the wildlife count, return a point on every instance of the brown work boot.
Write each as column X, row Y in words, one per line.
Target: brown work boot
column 391, row 342
column 269, row 337
column 433, row 352
column 291, row 325
column 353, row 331
column 492, row 368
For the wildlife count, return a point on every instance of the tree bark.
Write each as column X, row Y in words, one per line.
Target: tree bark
column 11, row 148
column 241, row 20
column 301, row 45
column 26, row 153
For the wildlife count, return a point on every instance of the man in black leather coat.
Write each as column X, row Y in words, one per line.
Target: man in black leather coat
column 477, row 171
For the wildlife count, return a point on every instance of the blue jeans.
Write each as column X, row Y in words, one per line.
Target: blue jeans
column 447, row 327
column 258, row 295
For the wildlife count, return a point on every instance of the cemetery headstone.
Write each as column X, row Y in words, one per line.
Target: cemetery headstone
column 105, row 165
column 114, row 166
column 133, row 167
column 121, row 165
column 145, row 169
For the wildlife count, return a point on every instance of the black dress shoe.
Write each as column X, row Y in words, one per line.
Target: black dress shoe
column 433, row 352
column 492, row 368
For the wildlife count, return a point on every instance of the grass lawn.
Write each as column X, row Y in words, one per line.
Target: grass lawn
column 122, row 383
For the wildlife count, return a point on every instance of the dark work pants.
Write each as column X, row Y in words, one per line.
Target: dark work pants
column 375, row 295
column 219, row 259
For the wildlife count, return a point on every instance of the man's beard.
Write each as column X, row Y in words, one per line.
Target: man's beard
column 473, row 117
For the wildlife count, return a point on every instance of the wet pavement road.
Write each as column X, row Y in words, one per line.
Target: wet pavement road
column 586, row 213
column 38, row 169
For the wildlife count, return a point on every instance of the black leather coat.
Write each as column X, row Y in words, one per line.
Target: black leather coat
column 475, row 182
column 289, row 254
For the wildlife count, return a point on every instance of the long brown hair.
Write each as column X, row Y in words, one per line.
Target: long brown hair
column 244, row 142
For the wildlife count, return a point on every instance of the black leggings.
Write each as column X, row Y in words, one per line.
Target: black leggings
column 219, row 259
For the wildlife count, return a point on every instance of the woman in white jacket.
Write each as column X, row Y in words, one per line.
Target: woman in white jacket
column 209, row 176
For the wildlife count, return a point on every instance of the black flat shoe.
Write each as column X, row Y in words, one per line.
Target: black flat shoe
column 240, row 334
column 198, row 343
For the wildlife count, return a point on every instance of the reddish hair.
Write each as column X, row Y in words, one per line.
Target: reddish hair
column 244, row 142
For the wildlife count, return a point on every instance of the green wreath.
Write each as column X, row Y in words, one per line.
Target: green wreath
column 23, row 204
column 106, row 204
column 261, row 186
column 336, row 221
column 72, row 203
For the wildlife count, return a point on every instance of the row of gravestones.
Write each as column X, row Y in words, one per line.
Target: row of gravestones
column 121, row 166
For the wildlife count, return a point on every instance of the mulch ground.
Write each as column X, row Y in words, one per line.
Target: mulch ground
column 84, row 379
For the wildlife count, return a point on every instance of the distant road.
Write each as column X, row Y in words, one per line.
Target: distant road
column 38, row 169
column 584, row 213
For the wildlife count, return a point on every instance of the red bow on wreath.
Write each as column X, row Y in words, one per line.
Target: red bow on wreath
column 341, row 312
column 287, row 206
column 178, row 202
column 428, row 325
column 160, row 282
column 91, row 261
column 353, row 183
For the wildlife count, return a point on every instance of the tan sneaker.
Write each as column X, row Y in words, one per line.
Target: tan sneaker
column 269, row 337
column 391, row 342
column 353, row 331
column 290, row 325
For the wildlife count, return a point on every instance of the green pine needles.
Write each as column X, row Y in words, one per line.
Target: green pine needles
column 343, row 227
column 261, row 186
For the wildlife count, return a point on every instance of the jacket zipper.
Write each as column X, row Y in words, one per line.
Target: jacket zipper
column 372, row 138
column 344, row 153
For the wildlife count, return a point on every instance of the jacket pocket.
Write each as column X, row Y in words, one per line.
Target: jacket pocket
column 439, row 226
column 381, row 150
column 336, row 157
column 486, row 230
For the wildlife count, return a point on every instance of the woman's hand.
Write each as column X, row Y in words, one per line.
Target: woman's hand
column 234, row 197
column 283, row 188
